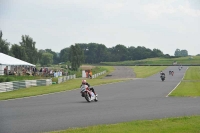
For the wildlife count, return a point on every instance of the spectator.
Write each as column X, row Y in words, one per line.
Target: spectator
column 5, row 71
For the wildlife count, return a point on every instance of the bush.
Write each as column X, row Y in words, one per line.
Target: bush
column 8, row 79
column 1, row 79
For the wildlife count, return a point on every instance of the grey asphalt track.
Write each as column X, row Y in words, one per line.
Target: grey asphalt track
column 139, row 99
column 121, row 72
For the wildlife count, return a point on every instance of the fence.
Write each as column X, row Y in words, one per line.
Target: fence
column 65, row 78
column 98, row 74
column 10, row 86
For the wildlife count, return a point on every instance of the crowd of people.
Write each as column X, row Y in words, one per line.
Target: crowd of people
column 29, row 70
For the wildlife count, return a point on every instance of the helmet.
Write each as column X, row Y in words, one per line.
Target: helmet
column 83, row 81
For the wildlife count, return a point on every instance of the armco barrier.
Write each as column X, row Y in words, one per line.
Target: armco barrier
column 65, row 78
column 98, row 74
column 10, row 86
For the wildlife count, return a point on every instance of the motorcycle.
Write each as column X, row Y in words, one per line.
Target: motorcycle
column 88, row 94
column 162, row 77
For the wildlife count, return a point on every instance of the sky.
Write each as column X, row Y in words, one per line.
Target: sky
column 161, row 24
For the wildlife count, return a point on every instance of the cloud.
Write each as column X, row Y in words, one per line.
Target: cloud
column 186, row 9
column 155, row 10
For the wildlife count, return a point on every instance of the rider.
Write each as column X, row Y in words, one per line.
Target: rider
column 172, row 73
column 91, row 88
column 162, row 73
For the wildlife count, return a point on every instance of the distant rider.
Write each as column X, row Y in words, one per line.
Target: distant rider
column 162, row 73
column 172, row 73
column 91, row 88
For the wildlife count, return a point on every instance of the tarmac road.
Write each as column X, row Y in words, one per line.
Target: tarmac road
column 121, row 72
column 138, row 99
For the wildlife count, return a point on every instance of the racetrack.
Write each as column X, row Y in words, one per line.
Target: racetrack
column 121, row 72
column 118, row 102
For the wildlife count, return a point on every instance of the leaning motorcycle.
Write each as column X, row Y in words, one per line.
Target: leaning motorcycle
column 162, row 77
column 88, row 94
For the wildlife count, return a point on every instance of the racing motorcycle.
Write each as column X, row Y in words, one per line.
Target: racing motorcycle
column 88, row 94
column 162, row 77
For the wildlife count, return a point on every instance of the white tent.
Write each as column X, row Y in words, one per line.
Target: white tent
column 9, row 60
column 6, row 60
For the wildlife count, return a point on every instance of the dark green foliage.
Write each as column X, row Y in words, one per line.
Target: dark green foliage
column 10, row 78
column 55, row 56
column 179, row 52
column 46, row 59
column 64, row 55
column 4, row 45
column 76, row 57
column 2, row 79
column 91, row 53
column 19, row 52
column 29, row 45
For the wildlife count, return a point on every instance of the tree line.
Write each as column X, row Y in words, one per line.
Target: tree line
column 92, row 53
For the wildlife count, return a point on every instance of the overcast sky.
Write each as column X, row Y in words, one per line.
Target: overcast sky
column 57, row 24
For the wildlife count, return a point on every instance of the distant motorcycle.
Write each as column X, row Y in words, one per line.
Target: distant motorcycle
column 88, row 94
column 162, row 77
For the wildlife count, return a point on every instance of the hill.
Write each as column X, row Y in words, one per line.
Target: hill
column 189, row 60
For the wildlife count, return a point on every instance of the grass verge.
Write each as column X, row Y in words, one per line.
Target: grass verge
column 193, row 73
column 190, row 86
column 157, row 61
column 187, row 88
column 68, row 85
column 10, row 78
column 146, row 71
column 167, row 125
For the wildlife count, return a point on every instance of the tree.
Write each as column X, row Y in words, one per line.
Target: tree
column 177, row 52
column 29, row 45
column 39, row 55
column 19, row 52
column 55, row 56
column 4, row 46
column 64, row 55
column 76, row 56
column 46, row 59
column 120, row 52
column 184, row 53
column 157, row 53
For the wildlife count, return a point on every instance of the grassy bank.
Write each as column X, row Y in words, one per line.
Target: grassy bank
column 168, row 125
column 190, row 86
column 157, row 61
column 193, row 73
column 187, row 88
column 68, row 85
column 9, row 78
column 146, row 71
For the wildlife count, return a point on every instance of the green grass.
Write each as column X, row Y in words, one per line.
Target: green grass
column 157, row 61
column 187, row 89
column 146, row 71
column 190, row 86
column 68, row 85
column 167, row 125
column 193, row 73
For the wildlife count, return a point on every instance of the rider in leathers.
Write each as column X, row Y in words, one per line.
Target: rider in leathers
column 91, row 88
